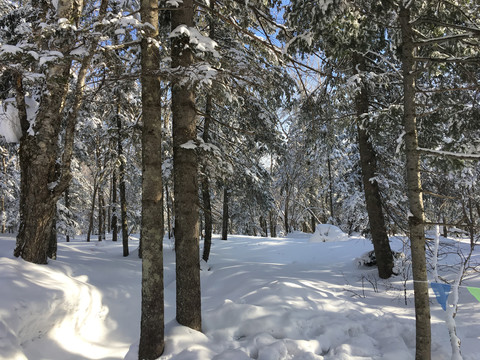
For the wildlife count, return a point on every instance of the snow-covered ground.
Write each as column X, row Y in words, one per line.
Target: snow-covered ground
column 264, row 299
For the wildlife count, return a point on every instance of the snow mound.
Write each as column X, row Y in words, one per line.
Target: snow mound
column 328, row 232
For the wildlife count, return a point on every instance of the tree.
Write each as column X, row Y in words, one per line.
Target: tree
column 152, row 321
column 186, row 201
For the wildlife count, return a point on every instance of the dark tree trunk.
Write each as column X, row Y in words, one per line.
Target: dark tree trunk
column 225, row 216
column 2, row 203
column 100, row 215
column 67, row 205
column 152, row 320
column 185, row 178
column 114, row 205
column 330, row 184
column 207, row 207
column 123, row 191
column 52, row 246
column 273, row 226
column 416, row 219
column 92, row 209
column 38, row 165
column 368, row 163
column 287, row 205
column 169, row 221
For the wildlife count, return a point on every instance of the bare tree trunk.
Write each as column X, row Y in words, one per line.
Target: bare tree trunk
column 100, row 215
column 52, row 246
column 368, row 162
column 287, row 205
column 123, row 191
column 273, row 226
column 67, row 205
column 225, row 216
column 169, row 221
column 92, row 209
column 416, row 219
column 185, row 178
column 207, row 207
column 152, row 321
column 114, row 206
column 330, row 185
column 2, row 201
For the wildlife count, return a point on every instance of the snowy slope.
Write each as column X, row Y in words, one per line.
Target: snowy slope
column 265, row 299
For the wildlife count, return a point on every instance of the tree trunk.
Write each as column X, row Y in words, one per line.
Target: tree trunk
column 100, row 215
column 114, row 227
column 330, row 185
column 40, row 186
column 225, row 216
column 122, row 186
column 207, row 207
column 2, row 201
column 152, row 318
column 38, row 159
column 92, row 209
column 287, row 204
column 185, row 177
column 52, row 246
column 273, row 226
column 67, row 205
column 169, row 221
column 416, row 219
column 368, row 163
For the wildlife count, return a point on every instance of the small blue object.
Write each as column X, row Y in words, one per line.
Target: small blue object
column 441, row 292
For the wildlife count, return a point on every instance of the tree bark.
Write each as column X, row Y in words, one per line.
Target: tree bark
column 169, row 221
column 287, row 205
column 67, row 205
column 330, row 185
column 2, row 201
column 38, row 159
column 225, row 216
column 152, row 319
column 416, row 219
column 368, row 162
column 122, row 187
column 207, row 207
column 100, row 215
column 114, row 224
column 53, row 245
column 92, row 209
column 185, row 161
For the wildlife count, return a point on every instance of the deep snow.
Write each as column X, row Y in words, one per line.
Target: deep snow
column 264, row 299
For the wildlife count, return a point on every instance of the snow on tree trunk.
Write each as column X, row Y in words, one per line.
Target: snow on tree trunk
column 38, row 161
column 368, row 162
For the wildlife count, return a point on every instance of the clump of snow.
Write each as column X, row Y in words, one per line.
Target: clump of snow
column 200, row 42
column 327, row 232
column 9, row 121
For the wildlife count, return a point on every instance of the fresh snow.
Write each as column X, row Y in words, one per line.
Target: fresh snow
column 262, row 298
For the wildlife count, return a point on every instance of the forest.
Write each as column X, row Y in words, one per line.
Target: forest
column 178, row 120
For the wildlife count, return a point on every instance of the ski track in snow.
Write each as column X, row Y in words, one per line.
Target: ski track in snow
column 262, row 298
